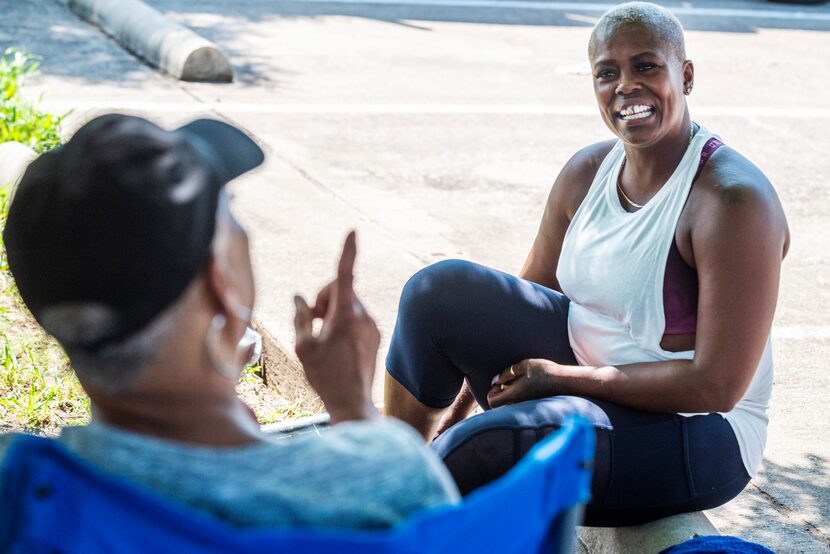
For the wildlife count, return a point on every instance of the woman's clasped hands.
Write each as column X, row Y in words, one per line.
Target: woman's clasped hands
column 524, row 380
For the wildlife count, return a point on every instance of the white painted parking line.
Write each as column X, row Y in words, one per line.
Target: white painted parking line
column 791, row 15
column 799, row 332
column 408, row 109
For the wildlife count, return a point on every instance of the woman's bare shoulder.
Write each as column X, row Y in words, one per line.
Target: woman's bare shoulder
column 730, row 178
column 586, row 161
column 730, row 183
column 578, row 173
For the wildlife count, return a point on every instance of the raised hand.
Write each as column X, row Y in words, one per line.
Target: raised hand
column 339, row 361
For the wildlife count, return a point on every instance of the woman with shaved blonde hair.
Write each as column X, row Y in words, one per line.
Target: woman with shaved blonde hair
column 645, row 305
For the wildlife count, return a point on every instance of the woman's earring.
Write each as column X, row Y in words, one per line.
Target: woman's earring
column 229, row 370
column 687, row 90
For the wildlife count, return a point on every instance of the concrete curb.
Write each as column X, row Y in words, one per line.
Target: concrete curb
column 281, row 370
column 649, row 538
column 146, row 33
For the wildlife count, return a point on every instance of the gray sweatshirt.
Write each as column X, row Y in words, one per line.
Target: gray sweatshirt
column 355, row 475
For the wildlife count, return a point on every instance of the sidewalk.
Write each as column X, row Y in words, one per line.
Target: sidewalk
column 392, row 127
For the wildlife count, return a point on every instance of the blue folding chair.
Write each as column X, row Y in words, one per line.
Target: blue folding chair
column 54, row 502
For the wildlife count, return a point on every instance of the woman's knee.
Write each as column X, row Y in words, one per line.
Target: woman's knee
column 542, row 414
column 484, row 447
column 438, row 288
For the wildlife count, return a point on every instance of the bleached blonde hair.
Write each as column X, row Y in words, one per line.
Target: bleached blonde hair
column 656, row 19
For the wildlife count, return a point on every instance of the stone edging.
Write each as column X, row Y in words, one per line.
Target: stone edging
column 650, row 537
column 164, row 44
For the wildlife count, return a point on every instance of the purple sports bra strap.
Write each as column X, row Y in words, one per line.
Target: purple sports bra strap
column 708, row 149
column 680, row 285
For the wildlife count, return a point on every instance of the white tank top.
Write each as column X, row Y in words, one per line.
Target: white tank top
column 612, row 268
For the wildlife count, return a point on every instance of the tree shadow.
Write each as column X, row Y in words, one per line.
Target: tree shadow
column 77, row 51
column 786, row 507
column 513, row 13
column 69, row 47
column 237, row 16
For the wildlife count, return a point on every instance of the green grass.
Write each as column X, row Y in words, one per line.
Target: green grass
column 268, row 406
column 38, row 393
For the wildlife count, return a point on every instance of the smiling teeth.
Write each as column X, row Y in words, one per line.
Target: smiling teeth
column 635, row 112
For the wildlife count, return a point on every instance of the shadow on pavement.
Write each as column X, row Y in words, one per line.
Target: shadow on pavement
column 258, row 10
column 68, row 46
column 769, row 502
column 76, row 50
column 203, row 17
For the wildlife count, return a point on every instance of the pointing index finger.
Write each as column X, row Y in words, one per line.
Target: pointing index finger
column 345, row 270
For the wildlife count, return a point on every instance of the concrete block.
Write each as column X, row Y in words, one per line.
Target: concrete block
column 649, row 538
column 14, row 158
column 146, row 33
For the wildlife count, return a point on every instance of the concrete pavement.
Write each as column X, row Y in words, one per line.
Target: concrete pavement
column 436, row 132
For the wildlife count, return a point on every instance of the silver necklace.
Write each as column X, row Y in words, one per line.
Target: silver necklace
column 628, row 200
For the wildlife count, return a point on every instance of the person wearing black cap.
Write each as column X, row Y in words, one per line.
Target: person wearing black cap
column 124, row 248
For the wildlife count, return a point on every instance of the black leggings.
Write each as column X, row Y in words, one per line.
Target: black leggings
column 461, row 320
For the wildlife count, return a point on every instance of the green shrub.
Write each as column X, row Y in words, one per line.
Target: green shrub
column 20, row 120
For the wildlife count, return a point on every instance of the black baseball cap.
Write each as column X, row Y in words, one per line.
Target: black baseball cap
column 121, row 216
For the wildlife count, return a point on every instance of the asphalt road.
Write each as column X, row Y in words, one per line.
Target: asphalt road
column 436, row 128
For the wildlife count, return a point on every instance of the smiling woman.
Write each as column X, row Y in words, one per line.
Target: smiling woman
column 645, row 304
